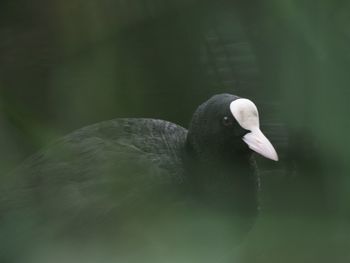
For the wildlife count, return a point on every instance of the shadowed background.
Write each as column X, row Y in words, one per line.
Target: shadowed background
column 66, row 65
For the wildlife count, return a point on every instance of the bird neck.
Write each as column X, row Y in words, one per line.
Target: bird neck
column 223, row 181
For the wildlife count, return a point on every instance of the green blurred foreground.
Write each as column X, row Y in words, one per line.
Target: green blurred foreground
column 67, row 65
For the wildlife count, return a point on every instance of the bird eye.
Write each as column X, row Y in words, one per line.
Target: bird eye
column 226, row 121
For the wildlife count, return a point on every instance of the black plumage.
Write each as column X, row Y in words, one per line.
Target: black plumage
column 126, row 175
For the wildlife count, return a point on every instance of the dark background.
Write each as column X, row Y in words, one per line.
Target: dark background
column 67, row 64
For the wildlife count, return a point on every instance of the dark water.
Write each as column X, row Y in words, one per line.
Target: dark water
column 66, row 65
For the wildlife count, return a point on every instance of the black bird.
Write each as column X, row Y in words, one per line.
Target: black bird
column 140, row 182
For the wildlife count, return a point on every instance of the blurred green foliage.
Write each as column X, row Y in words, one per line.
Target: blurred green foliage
column 64, row 65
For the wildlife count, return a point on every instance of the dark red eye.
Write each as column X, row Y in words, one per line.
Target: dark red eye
column 227, row 121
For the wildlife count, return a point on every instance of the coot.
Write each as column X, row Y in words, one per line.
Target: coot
column 149, row 185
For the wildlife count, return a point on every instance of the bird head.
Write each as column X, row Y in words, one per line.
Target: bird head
column 228, row 125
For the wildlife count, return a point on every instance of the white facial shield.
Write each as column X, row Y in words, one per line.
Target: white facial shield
column 247, row 116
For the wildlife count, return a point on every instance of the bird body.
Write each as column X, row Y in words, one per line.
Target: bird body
column 126, row 177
